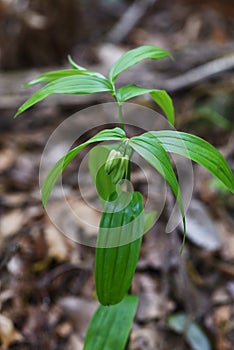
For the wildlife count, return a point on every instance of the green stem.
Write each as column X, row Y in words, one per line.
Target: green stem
column 120, row 110
column 120, row 105
column 128, row 177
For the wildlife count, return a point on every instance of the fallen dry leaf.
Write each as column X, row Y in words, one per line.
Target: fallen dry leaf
column 153, row 304
column 59, row 246
column 201, row 229
column 75, row 342
column 64, row 329
column 222, row 315
column 7, row 158
column 79, row 310
column 11, row 222
column 8, row 333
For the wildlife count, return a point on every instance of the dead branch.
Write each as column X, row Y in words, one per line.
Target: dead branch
column 129, row 20
column 198, row 74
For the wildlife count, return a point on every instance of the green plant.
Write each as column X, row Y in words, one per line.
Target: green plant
column 118, row 250
column 116, row 258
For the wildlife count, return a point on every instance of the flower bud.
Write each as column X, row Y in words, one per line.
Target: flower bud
column 113, row 161
column 122, row 170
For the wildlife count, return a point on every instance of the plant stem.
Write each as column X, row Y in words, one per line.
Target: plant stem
column 128, row 177
column 120, row 105
column 120, row 110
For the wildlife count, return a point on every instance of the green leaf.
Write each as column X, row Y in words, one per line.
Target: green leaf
column 58, row 74
column 197, row 149
column 118, row 245
column 164, row 101
column 103, row 182
column 154, row 153
column 149, row 220
column 132, row 57
column 161, row 97
column 129, row 91
column 76, row 84
column 73, row 64
column 56, row 171
column 194, row 335
column 110, row 325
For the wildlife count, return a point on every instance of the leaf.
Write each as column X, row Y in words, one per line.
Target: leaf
column 197, row 149
column 132, row 57
column 161, row 97
column 129, row 91
column 194, row 335
column 73, row 64
column 149, row 220
column 110, row 325
column 58, row 74
column 56, row 171
column 154, row 153
column 118, row 246
column 76, row 84
column 164, row 101
column 103, row 182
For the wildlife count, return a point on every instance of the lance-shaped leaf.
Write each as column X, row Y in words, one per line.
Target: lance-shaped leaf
column 73, row 64
column 58, row 74
column 56, row 171
column 76, row 84
column 110, row 325
column 154, row 153
column 197, row 149
column 132, row 57
column 161, row 97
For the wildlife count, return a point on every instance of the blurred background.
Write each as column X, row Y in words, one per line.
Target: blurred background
column 47, row 292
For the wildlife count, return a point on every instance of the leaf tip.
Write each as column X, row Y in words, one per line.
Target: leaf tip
column 171, row 57
column 17, row 114
column 44, row 198
column 184, row 237
column 44, row 202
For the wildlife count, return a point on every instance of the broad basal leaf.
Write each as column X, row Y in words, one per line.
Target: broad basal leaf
column 154, row 153
column 110, row 325
column 198, row 150
column 134, row 56
column 118, row 246
column 56, row 171
column 161, row 97
column 76, row 84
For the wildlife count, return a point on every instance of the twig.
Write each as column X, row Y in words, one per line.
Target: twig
column 129, row 20
column 55, row 273
column 200, row 73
